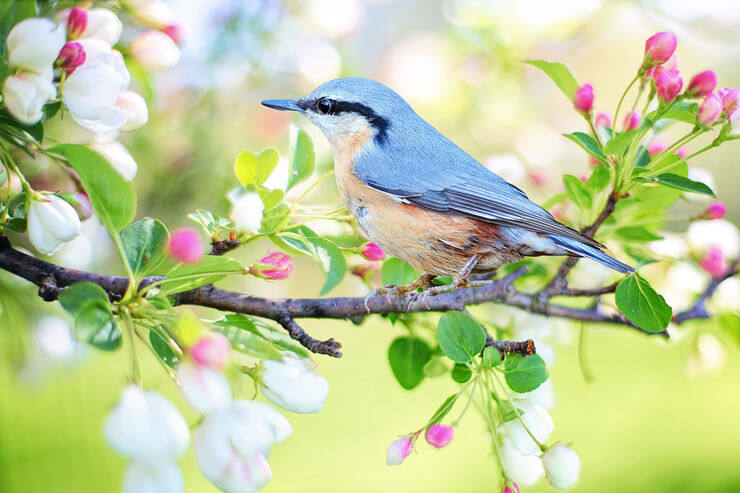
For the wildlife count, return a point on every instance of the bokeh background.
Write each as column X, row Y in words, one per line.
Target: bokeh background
column 655, row 416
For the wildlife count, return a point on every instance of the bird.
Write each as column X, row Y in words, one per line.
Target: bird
column 423, row 199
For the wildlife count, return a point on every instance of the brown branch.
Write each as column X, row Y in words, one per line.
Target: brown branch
column 699, row 310
column 329, row 346
column 525, row 348
column 609, row 288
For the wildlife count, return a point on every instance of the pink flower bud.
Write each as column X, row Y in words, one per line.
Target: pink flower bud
column 212, row 350
column 714, row 262
column 715, row 210
column 365, row 270
column 583, row 99
column 71, row 56
column 709, row 110
column 656, row 147
column 660, row 47
column 668, row 84
column 185, row 246
column 682, row 152
column 371, row 251
column 76, row 23
column 439, row 435
column 279, row 266
column 631, row 121
column 174, row 31
column 730, row 100
column 602, row 120
column 398, row 450
column 510, row 489
column 702, row 84
column 81, row 202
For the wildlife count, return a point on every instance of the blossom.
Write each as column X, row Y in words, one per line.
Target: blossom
column 51, row 222
column 714, row 262
column 205, row 389
column 246, row 212
column 667, row 85
column 583, row 99
column 155, row 50
column 439, row 435
column 118, row 156
column 70, row 57
column 147, row 427
column 153, row 478
column 155, row 13
column 715, row 210
column 660, row 47
column 185, row 246
column 510, row 489
column 656, row 146
column 524, row 469
column 702, row 84
column 137, row 113
column 275, row 266
column 718, row 232
column 102, row 25
column 631, row 121
column 33, row 45
column 537, row 420
column 232, row 444
column 25, row 94
column 76, row 23
column 371, row 251
column 212, row 350
column 174, row 31
column 730, row 101
column 709, row 110
column 398, row 450
column 294, row 384
column 562, row 466
column 602, row 120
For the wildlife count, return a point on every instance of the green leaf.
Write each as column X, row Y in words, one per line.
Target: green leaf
column 210, row 269
column 492, row 357
column 524, row 373
column 94, row 323
column 144, row 242
column 678, row 182
column 330, row 258
column 275, row 218
column 436, row 367
column 639, row 302
column 304, row 160
column 461, row 373
column 249, row 343
column 619, row 144
column 163, row 349
column 111, row 196
column 211, row 222
column 444, row 409
column 255, row 170
column 271, row 198
column 75, row 297
column 398, row 273
column 460, row 337
column 588, row 144
column 442, row 281
column 578, row 192
column 36, row 131
column 559, row 74
column 599, row 180
column 637, row 233
column 682, row 111
column 275, row 336
column 407, row 357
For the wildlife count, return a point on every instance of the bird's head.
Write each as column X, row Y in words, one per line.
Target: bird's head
column 344, row 109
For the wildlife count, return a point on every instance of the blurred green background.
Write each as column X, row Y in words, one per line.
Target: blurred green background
column 649, row 421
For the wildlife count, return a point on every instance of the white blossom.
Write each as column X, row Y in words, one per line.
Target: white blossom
column 25, row 94
column 294, row 384
column 51, row 222
column 537, row 420
column 118, row 156
column 562, row 466
column 715, row 232
column 103, row 25
column 246, row 212
column 137, row 113
column 525, row 470
column 34, row 44
column 156, row 14
column 153, row 478
column 155, row 50
column 204, row 388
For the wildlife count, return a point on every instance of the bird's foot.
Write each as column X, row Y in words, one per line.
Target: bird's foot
column 424, row 282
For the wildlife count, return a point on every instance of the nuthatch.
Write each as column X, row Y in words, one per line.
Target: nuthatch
column 422, row 198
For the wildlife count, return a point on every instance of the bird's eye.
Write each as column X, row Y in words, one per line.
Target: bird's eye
column 324, row 106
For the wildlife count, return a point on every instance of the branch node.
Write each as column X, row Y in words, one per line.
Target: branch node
column 48, row 290
column 329, row 347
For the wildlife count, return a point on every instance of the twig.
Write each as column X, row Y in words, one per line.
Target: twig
column 329, row 346
column 699, row 310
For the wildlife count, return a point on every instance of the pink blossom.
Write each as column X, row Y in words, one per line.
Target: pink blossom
column 709, row 110
column 714, row 261
column 660, row 47
column 439, row 435
column 76, row 23
column 510, row 489
column 371, row 251
column 583, row 99
column 730, row 100
column 185, row 246
column 398, row 450
column 702, row 84
column 174, row 31
column 631, row 121
column 668, row 84
column 602, row 120
column 71, row 56
column 715, row 210
column 212, row 350
column 682, row 152
column 364, row 270
column 279, row 266
column 656, row 147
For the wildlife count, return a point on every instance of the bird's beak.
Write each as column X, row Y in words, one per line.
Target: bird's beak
column 282, row 104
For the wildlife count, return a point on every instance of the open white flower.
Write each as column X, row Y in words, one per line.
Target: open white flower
column 204, row 388
column 538, row 422
column 246, row 212
column 137, row 113
column 525, row 470
column 716, row 232
column 153, row 478
column 562, row 466
column 25, row 95
column 33, row 44
column 294, row 384
column 118, row 156
column 147, row 427
column 156, row 14
column 155, row 50
column 103, row 25
column 51, row 222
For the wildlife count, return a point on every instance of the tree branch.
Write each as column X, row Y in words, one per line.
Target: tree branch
column 698, row 310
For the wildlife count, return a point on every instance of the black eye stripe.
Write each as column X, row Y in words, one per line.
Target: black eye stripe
column 379, row 123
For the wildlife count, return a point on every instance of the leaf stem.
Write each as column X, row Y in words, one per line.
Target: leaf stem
column 136, row 370
column 516, row 411
column 621, row 100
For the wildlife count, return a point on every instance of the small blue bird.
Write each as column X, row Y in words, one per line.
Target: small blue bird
column 423, row 199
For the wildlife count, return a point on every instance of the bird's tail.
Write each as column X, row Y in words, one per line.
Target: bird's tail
column 583, row 250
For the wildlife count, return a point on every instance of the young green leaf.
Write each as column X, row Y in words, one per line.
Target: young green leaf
column 255, row 170
column 559, row 74
column 144, row 242
column 599, row 180
column 461, row 373
column 111, row 196
column 275, row 218
column 330, row 259
column 163, row 349
column 637, row 233
column 94, row 324
column 210, row 269
column 398, row 273
column 524, row 373
column 249, row 343
column 578, row 192
column 492, row 357
column 619, row 144
column 460, row 337
column 276, row 337
column 444, row 409
column 407, row 357
column 639, row 302
column 588, row 144
column 304, row 160
column 678, row 182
